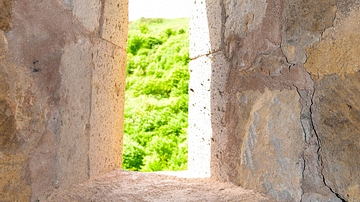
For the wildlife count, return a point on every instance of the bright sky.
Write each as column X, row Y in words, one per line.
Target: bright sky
column 158, row 9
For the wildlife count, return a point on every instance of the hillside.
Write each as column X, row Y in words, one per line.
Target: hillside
column 156, row 95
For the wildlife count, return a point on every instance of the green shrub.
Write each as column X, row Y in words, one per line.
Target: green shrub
column 169, row 32
column 133, row 154
column 143, row 28
column 134, row 44
column 181, row 31
column 151, row 42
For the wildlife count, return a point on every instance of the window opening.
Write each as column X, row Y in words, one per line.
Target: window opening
column 156, row 105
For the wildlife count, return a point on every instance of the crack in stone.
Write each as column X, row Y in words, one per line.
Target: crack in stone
column 322, row 168
column 101, row 19
column 308, row 126
column 318, row 151
column 224, row 17
column 209, row 53
column 302, row 174
column 311, row 136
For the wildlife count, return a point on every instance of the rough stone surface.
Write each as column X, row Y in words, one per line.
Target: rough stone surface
column 218, row 105
column 208, row 71
column 107, row 106
column 304, row 23
column 114, row 22
column 336, row 116
column 272, row 54
column 334, row 64
column 73, row 129
column 338, row 52
column 13, row 173
column 273, row 106
column 50, row 57
column 88, row 12
column 268, row 136
column 5, row 14
column 131, row 186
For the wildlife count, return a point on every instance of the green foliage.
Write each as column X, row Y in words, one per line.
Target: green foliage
column 143, row 28
column 133, row 154
column 169, row 32
column 156, row 95
column 181, row 31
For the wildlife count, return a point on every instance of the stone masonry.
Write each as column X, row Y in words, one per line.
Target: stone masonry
column 282, row 90
column 62, row 75
column 274, row 95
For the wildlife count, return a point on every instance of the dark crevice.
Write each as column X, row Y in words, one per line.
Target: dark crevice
column 307, row 126
column 302, row 175
column 336, row 194
column 285, row 56
column 224, row 17
column 311, row 135
column 319, row 155
column 101, row 19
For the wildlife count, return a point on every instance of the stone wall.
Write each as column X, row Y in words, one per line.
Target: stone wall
column 273, row 106
column 62, row 82
column 280, row 99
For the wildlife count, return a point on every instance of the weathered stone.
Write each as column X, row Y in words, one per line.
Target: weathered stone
column 338, row 52
column 256, row 116
column 114, row 22
column 209, row 70
column 268, row 134
column 334, row 64
column 88, row 12
column 219, row 76
column 336, row 114
column 5, row 14
column 72, row 134
column 8, row 138
column 245, row 46
column 305, row 20
column 13, row 166
column 13, row 173
column 243, row 16
column 107, row 107
column 48, row 63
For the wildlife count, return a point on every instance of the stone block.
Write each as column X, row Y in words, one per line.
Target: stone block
column 338, row 51
column 304, row 23
column 336, row 114
column 87, row 12
column 72, row 133
column 243, row 16
column 107, row 107
column 114, row 22
column 268, row 134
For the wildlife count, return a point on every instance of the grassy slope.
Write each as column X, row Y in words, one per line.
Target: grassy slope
column 157, row 28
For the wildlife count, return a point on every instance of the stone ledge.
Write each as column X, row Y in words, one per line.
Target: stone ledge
column 121, row 185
